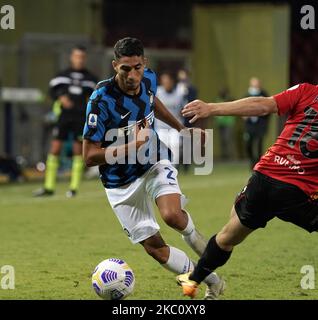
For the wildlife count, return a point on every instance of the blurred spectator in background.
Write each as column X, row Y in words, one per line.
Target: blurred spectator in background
column 255, row 127
column 70, row 90
column 173, row 97
column 190, row 93
column 226, row 127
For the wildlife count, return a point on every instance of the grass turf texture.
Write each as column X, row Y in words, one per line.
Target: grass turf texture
column 55, row 243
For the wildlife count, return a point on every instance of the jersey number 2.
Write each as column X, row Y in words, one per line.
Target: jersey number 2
column 169, row 174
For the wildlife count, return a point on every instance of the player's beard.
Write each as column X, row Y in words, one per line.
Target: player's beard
column 132, row 85
column 128, row 85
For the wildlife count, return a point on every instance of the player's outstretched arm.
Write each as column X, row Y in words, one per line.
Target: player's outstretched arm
column 252, row 106
column 163, row 114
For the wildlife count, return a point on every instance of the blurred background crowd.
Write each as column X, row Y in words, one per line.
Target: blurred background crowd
column 212, row 50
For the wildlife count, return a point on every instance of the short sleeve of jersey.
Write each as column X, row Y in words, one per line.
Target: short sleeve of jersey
column 96, row 118
column 289, row 98
column 152, row 77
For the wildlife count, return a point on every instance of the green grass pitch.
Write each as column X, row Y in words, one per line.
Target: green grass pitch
column 55, row 243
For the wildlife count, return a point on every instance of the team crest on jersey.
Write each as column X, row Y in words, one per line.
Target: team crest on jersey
column 92, row 120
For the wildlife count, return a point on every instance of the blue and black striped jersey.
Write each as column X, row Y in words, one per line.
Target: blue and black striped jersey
column 110, row 108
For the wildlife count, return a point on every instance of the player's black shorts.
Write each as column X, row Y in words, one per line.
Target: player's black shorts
column 265, row 198
column 68, row 128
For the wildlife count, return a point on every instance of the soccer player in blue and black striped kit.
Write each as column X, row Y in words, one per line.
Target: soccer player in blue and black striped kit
column 125, row 106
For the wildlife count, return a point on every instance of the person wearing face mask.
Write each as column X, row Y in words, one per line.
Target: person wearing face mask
column 172, row 95
column 255, row 127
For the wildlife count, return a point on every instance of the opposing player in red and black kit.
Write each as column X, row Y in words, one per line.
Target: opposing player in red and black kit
column 284, row 183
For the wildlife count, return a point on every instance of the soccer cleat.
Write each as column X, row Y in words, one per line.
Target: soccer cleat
column 71, row 193
column 189, row 287
column 43, row 193
column 213, row 291
column 196, row 242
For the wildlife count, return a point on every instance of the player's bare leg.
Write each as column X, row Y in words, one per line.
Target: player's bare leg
column 77, row 169
column 170, row 209
column 233, row 233
column 56, row 147
column 157, row 248
column 171, row 212
column 216, row 254
column 52, row 164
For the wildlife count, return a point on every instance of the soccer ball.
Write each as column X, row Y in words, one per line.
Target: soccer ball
column 113, row 279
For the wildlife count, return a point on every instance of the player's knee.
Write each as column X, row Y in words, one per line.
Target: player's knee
column 160, row 254
column 172, row 217
column 55, row 149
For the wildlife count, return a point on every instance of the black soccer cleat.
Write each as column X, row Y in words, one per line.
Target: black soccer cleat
column 43, row 193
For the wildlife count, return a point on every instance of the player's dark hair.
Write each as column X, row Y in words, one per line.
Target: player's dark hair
column 128, row 47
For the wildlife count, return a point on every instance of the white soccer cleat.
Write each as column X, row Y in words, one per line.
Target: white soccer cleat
column 213, row 291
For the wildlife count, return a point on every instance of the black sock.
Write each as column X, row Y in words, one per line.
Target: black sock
column 212, row 258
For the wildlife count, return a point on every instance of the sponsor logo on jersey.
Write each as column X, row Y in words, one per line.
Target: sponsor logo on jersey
column 125, row 115
column 127, row 130
column 289, row 162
